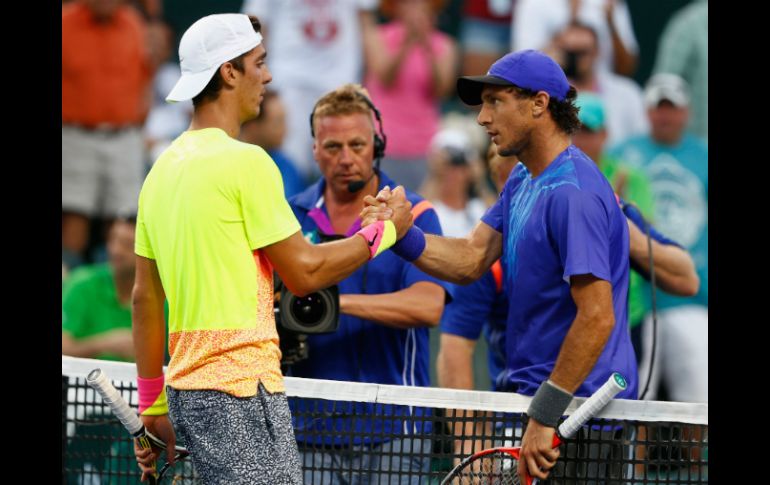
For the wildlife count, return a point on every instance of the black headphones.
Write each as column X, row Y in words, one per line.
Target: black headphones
column 380, row 140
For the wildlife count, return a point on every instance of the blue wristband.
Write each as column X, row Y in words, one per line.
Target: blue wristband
column 411, row 246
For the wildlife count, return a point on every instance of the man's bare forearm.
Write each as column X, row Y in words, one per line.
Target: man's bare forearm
column 148, row 323
column 116, row 341
column 461, row 260
column 588, row 334
column 623, row 59
column 88, row 347
column 581, row 349
column 420, row 305
column 305, row 268
column 149, row 337
column 454, row 364
column 674, row 267
column 454, row 367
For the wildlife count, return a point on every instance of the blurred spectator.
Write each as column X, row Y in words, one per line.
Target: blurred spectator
column 268, row 130
column 577, row 50
column 631, row 184
column 465, row 122
column 451, row 156
column 676, row 163
column 535, row 22
column 684, row 50
column 315, row 46
column 485, row 33
column 166, row 121
column 106, row 68
column 411, row 66
column 96, row 301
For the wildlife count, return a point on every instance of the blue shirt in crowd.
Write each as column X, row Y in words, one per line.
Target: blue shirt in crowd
column 679, row 181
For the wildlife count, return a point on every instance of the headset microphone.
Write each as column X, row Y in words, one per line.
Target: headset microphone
column 357, row 185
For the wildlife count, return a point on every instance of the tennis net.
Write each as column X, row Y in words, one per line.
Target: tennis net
column 368, row 433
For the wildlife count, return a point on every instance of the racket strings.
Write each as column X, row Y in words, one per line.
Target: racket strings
column 497, row 469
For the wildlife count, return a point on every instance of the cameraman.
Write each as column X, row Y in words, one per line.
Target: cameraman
column 387, row 305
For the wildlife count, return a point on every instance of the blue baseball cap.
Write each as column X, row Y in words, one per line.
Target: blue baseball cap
column 528, row 69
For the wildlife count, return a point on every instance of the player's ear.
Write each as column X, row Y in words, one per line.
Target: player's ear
column 227, row 72
column 540, row 104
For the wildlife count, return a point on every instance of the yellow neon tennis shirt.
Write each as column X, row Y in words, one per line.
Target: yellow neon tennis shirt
column 206, row 207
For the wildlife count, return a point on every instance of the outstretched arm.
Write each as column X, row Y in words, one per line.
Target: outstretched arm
column 461, row 260
column 458, row 260
column 305, row 268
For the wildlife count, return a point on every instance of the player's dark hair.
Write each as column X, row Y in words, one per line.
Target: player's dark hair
column 564, row 113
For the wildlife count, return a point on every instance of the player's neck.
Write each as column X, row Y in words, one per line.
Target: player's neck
column 543, row 150
column 215, row 114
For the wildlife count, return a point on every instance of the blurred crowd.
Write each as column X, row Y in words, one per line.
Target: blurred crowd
column 651, row 141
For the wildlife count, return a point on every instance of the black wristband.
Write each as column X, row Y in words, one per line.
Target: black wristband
column 549, row 404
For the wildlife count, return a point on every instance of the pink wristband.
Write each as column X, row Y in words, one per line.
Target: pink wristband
column 372, row 234
column 379, row 235
column 149, row 391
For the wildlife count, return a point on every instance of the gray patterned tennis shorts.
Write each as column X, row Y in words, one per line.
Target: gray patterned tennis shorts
column 234, row 440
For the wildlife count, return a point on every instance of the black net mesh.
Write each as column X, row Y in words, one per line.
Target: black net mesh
column 374, row 442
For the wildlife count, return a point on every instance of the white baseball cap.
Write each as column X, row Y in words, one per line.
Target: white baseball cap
column 206, row 45
column 666, row 86
column 453, row 139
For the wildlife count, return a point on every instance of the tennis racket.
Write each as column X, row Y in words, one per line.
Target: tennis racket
column 498, row 466
column 133, row 424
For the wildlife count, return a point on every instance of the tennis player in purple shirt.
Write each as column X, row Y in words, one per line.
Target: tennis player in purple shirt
column 563, row 242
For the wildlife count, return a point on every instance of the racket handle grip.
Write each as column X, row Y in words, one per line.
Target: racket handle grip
column 593, row 405
column 556, row 441
column 121, row 409
column 112, row 397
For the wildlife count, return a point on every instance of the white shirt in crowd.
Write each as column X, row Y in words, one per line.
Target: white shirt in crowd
column 535, row 22
column 624, row 108
column 459, row 223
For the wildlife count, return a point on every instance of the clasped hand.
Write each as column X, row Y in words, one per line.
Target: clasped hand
column 388, row 205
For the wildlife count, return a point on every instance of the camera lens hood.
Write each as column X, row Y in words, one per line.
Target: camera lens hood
column 312, row 314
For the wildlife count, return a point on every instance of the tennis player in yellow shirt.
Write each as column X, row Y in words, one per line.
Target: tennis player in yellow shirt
column 212, row 225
